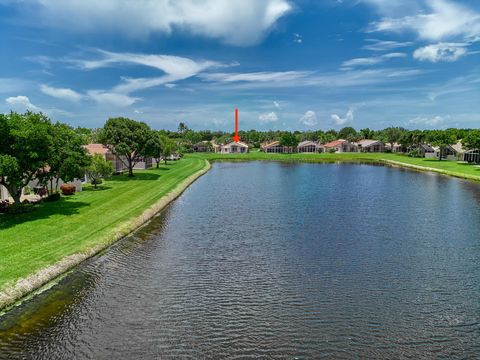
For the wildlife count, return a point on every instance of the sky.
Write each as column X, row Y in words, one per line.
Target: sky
column 286, row 64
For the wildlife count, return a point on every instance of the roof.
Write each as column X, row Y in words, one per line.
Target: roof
column 273, row 143
column 335, row 143
column 307, row 143
column 237, row 143
column 96, row 149
column 458, row 147
column 367, row 142
column 426, row 147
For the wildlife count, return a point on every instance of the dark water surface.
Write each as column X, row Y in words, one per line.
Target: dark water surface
column 272, row 260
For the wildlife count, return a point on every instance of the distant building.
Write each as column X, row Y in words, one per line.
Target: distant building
column 275, row 147
column 424, row 150
column 472, row 156
column 118, row 164
column 309, row 147
column 235, row 147
column 202, row 146
column 373, row 146
column 340, row 146
column 397, row 148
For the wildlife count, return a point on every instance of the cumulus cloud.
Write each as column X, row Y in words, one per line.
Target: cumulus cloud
column 61, row 93
column 338, row 120
column 441, row 52
column 439, row 20
column 373, row 60
column 235, row 22
column 309, row 118
column 268, row 117
column 21, row 102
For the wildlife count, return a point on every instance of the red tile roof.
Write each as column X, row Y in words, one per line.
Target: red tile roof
column 96, row 149
column 334, row 143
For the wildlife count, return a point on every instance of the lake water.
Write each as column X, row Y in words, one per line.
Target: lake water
column 274, row 260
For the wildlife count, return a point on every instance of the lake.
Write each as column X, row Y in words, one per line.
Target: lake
column 276, row 260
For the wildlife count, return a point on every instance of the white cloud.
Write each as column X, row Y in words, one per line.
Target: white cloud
column 265, row 76
column 276, row 104
column 170, row 86
column 309, row 118
column 338, row 120
column 22, row 102
column 371, row 60
column 442, row 19
column 297, row 38
column 111, row 98
column 441, row 52
column 175, row 68
column 426, row 121
column 384, row 45
column 268, row 117
column 61, row 93
column 236, row 22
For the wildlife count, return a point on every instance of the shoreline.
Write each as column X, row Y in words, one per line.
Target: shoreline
column 27, row 286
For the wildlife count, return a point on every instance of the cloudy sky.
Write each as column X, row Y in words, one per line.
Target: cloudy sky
column 287, row 64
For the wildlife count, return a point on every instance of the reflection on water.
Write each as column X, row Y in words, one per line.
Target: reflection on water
column 277, row 260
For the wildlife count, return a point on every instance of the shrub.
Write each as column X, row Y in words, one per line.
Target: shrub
column 68, row 189
column 332, row 151
column 15, row 209
column 96, row 181
column 27, row 190
column 52, row 197
column 3, row 206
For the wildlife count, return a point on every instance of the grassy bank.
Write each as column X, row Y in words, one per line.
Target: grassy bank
column 39, row 246
column 451, row 168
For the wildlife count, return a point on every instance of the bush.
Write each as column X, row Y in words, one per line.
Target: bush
column 15, row 209
column 27, row 190
column 332, row 151
column 96, row 181
column 52, row 197
column 3, row 206
column 68, row 189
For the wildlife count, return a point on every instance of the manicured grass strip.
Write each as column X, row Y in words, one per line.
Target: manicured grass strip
column 36, row 247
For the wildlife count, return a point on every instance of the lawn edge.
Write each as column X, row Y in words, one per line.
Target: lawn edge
column 26, row 286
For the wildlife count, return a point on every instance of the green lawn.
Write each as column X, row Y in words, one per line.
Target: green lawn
column 447, row 167
column 30, row 242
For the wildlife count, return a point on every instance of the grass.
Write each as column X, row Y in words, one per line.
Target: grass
column 86, row 220
column 452, row 168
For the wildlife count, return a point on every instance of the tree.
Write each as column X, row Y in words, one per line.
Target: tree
column 442, row 139
column 25, row 147
column 99, row 169
column 472, row 140
column 367, row 133
column 392, row 135
column 154, row 146
column 68, row 158
column 126, row 138
column 182, row 128
column 289, row 140
column 168, row 147
column 348, row 133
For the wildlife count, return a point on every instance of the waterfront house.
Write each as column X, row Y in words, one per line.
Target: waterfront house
column 275, row 147
column 340, row 146
column 119, row 163
column 424, row 150
column 235, row 147
column 143, row 162
column 472, row 156
column 309, row 147
column 202, row 146
column 448, row 153
column 397, row 148
column 373, row 146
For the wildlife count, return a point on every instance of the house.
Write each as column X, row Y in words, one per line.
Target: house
column 235, row 147
column 118, row 164
column 448, row 153
column 340, row 146
column 143, row 162
column 275, row 147
column 4, row 195
column 397, row 148
column 309, row 147
column 372, row 146
column 202, row 146
column 472, row 156
column 424, row 150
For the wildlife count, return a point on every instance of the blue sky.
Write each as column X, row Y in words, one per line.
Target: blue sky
column 287, row 64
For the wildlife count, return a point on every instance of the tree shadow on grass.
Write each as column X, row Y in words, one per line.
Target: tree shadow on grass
column 99, row 188
column 64, row 206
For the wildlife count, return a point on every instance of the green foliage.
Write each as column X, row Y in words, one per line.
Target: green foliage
column 127, row 138
column 99, row 168
column 288, row 139
column 472, row 140
column 348, row 133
